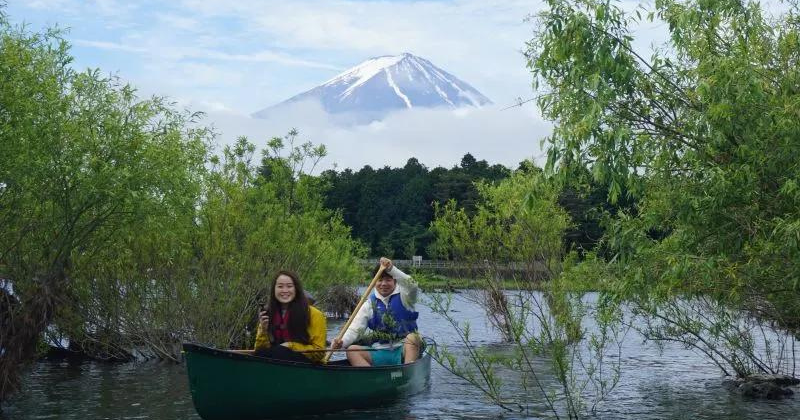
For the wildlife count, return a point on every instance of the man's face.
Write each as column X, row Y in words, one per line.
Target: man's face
column 386, row 285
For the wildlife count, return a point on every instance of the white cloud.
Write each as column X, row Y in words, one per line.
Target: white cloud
column 478, row 40
column 203, row 75
column 206, row 54
column 49, row 4
column 437, row 137
column 111, row 7
column 263, row 57
column 105, row 45
column 179, row 22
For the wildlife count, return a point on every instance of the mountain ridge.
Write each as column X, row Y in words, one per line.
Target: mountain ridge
column 385, row 84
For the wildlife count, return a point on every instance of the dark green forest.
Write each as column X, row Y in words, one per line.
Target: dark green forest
column 390, row 209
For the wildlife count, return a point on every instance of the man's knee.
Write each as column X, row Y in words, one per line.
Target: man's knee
column 411, row 347
column 358, row 357
column 413, row 338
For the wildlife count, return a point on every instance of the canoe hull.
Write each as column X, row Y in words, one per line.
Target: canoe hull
column 227, row 385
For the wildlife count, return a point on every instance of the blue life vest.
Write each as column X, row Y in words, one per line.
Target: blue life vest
column 405, row 321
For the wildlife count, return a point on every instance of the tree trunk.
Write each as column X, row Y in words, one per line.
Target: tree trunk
column 21, row 327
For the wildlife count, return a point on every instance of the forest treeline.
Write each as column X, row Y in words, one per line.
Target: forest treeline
column 390, row 210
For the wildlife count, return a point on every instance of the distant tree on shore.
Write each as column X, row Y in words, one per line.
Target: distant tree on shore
column 390, row 209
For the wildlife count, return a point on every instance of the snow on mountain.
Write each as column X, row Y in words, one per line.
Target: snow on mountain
column 385, row 84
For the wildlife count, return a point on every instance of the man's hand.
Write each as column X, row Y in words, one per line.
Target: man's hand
column 386, row 264
column 336, row 343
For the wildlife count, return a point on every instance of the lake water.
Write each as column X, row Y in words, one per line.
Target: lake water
column 673, row 383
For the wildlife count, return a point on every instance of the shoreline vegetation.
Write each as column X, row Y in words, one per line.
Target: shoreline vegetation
column 440, row 283
column 123, row 230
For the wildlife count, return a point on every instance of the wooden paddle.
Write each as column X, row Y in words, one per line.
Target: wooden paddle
column 248, row 352
column 355, row 311
column 335, row 350
column 252, row 352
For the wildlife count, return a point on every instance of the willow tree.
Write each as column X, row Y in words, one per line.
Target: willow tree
column 82, row 160
column 122, row 235
column 256, row 220
column 703, row 133
column 518, row 222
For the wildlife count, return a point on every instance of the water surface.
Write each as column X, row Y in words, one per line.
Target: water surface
column 673, row 384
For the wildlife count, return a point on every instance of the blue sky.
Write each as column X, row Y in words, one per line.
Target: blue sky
column 243, row 55
column 230, row 58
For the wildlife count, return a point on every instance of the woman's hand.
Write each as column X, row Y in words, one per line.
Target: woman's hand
column 263, row 319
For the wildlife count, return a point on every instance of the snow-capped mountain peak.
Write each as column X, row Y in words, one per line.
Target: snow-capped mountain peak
column 384, row 84
column 365, row 71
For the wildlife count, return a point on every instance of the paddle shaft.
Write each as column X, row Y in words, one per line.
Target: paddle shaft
column 355, row 311
column 251, row 352
column 342, row 350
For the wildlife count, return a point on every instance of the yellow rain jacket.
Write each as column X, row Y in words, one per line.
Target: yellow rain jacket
column 317, row 329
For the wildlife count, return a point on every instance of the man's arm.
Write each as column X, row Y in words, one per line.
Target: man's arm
column 359, row 324
column 408, row 287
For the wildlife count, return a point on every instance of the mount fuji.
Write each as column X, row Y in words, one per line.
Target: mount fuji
column 381, row 85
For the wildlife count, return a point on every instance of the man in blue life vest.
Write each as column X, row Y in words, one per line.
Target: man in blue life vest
column 390, row 316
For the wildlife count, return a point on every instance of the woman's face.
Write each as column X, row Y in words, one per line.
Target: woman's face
column 284, row 289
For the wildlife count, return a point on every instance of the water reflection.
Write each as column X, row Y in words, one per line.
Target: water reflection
column 673, row 384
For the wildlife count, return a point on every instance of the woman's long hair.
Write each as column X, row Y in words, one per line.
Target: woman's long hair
column 298, row 309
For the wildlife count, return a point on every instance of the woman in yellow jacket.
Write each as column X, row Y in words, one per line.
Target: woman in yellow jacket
column 289, row 325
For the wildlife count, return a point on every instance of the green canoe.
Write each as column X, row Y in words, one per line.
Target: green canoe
column 235, row 386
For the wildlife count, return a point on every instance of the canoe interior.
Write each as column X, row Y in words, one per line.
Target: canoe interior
column 226, row 385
